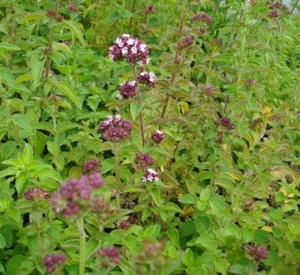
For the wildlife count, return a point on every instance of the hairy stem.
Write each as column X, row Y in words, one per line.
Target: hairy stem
column 80, row 223
column 117, row 192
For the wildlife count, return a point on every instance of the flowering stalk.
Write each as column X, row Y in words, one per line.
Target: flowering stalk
column 50, row 43
column 80, row 224
column 117, row 192
column 139, row 101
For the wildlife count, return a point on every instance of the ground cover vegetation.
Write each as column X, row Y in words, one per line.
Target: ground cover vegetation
column 149, row 137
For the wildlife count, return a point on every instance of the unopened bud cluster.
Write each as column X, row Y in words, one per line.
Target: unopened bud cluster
column 258, row 252
column 115, row 129
column 110, row 255
column 75, row 194
column 127, row 89
column 225, row 122
column 143, row 160
column 91, row 166
column 185, row 42
column 37, row 193
column 158, row 136
column 202, row 17
column 52, row 261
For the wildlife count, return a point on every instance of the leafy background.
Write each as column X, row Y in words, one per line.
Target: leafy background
column 221, row 190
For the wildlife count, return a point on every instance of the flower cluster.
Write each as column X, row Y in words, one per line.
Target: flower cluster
column 148, row 79
column 132, row 49
column 52, row 261
column 125, row 224
column 91, row 166
column 274, row 13
column 185, row 42
column 101, row 207
column 258, row 253
column 74, row 194
column 127, row 89
column 150, row 175
column 37, row 193
column 111, row 254
column 202, row 17
column 142, row 160
column 225, row 122
column 115, row 128
column 158, row 136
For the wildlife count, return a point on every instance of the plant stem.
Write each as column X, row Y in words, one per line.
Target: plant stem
column 50, row 43
column 80, row 223
column 139, row 101
column 117, row 174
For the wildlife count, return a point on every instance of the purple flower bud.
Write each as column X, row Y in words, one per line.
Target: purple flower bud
column 125, row 224
column 91, row 166
column 202, row 17
column 96, row 180
column 158, row 136
column 127, row 89
column 37, row 193
column 258, row 252
column 52, row 261
column 274, row 13
column 225, row 121
column 142, row 160
column 115, row 129
column 148, row 79
column 111, row 252
column 150, row 176
column 185, row 42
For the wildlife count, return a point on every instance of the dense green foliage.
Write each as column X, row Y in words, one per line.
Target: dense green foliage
column 226, row 99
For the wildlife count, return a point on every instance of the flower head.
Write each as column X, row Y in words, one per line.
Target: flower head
column 142, row 160
column 148, row 79
column 37, row 193
column 111, row 253
column 132, row 49
column 158, row 136
column 258, row 252
column 74, row 194
column 202, row 17
column 150, row 176
column 127, row 89
column 115, row 129
column 185, row 42
column 91, row 166
column 52, row 261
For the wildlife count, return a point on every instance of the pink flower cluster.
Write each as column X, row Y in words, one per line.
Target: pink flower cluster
column 185, row 42
column 132, row 49
column 101, row 208
column 127, row 89
column 150, row 176
column 158, row 136
column 91, row 166
column 142, row 160
column 148, row 79
column 111, row 253
column 258, row 252
column 37, row 193
column 115, row 128
column 75, row 194
column 51, row 261
column 202, row 17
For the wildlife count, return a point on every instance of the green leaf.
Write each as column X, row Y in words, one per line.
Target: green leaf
column 107, row 165
column 28, row 153
column 155, row 193
column 189, row 199
column 68, row 91
column 2, row 241
column 188, row 257
column 135, row 110
column 112, row 17
column 221, row 265
column 36, row 16
column 14, row 263
column 75, row 29
column 172, row 207
column 152, row 231
column 174, row 237
column 20, row 180
column 21, row 121
column 8, row 148
column 205, row 194
column 37, row 64
column 6, row 76
column 91, row 247
column 4, row 46
column 261, row 236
